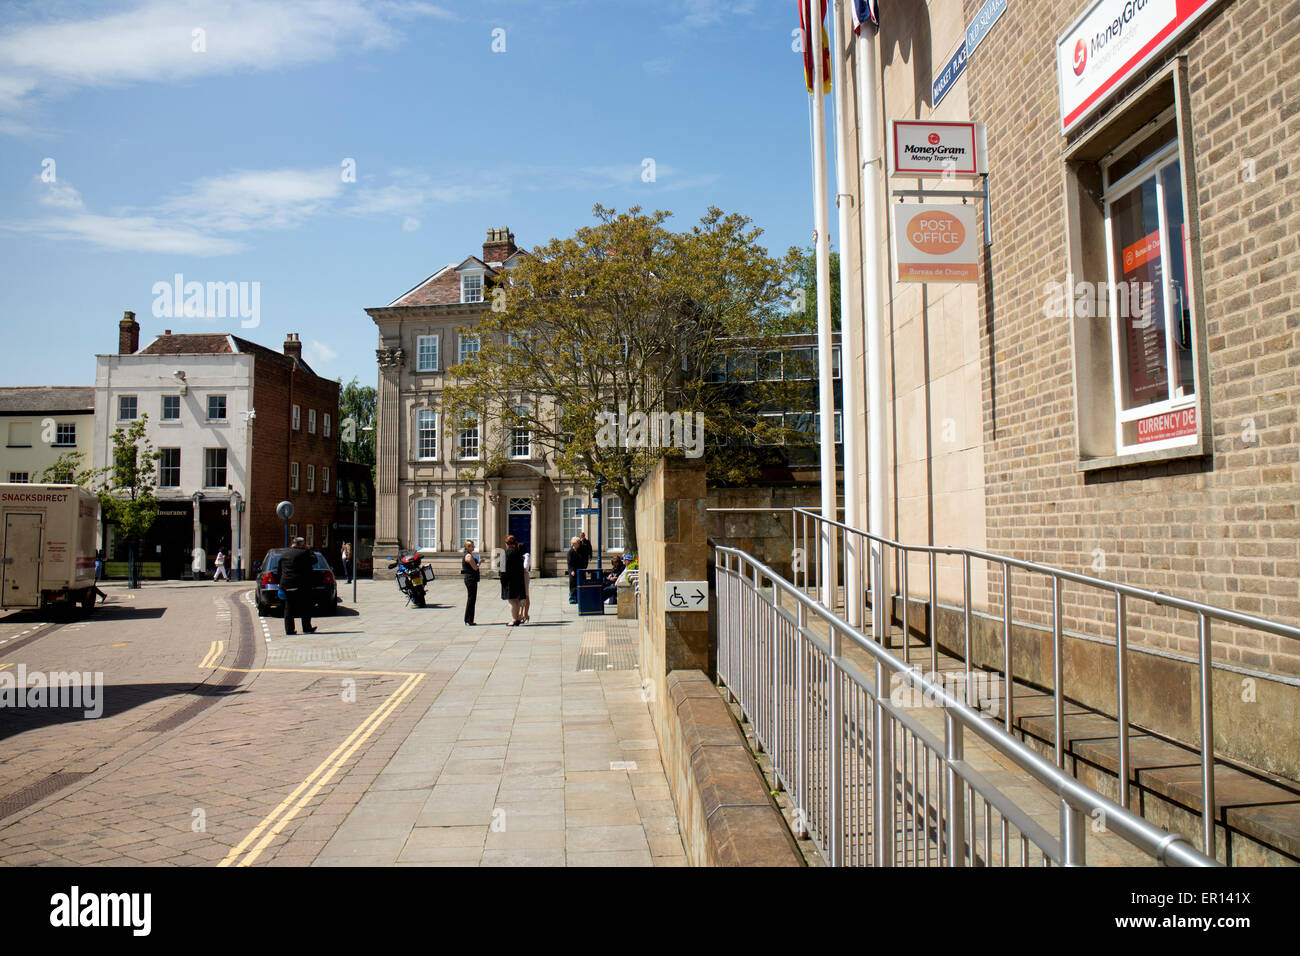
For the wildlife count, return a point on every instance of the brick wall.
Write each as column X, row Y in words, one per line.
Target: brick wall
column 276, row 444
column 1223, row 529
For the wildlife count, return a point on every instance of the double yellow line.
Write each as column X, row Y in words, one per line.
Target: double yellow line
column 278, row 818
column 215, row 653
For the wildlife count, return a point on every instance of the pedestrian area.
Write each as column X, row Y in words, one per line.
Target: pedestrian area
column 537, row 749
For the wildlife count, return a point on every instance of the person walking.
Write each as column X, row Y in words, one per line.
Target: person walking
column 469, row 563
column 296, row 580
column 220, row 571
column 513, row 588
column 346, row 552
column 573, row 560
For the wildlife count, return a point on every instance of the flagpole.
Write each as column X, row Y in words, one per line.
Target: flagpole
column 826, row 386
column 871, row 155
column 850, row 327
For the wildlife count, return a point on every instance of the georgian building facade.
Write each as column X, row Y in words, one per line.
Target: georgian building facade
column 434, row 488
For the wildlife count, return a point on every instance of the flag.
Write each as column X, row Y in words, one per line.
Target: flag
column 805, row 37
column 866, row 11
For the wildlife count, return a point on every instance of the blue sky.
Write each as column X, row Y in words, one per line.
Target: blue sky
column 224, row 163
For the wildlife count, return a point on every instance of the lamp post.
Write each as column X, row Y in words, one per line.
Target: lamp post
column 600, row 518
column 352, row 564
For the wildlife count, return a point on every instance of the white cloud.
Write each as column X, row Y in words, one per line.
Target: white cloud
column 257, row 199
column 661, row 64
column 410, row 224
column 318, row 353
column 155, row 41
column 128, row 234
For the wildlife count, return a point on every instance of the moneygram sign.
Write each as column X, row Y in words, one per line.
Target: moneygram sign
column 1111, row 42
column 938, row 149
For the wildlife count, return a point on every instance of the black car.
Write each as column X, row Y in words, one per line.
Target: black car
column 268, row 584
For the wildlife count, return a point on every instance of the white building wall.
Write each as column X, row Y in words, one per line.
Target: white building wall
column 149, row 378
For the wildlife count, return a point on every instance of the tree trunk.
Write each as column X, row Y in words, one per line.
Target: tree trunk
column 131, row 580
column 629, row 521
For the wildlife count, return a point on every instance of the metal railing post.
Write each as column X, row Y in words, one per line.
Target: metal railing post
column 835, row 752
column 965, row 612
column 1009, row 680
column 801, row 723
column 1073, row 831
column 882, row 736
column 954, row 825
column 1207, row 735
column 1121, row 677
column 1058, row 671
column 934, row 616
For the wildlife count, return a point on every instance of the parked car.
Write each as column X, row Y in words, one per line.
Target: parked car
column 268, row 584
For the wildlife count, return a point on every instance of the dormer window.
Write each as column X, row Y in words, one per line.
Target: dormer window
column 471, row 288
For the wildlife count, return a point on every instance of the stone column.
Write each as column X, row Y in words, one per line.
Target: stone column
column 197, row 524
column 539, row 533
column 492, row 535
column 388, row 425
column 236, row 538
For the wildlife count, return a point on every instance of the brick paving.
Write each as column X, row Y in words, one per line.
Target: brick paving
column 501, row 751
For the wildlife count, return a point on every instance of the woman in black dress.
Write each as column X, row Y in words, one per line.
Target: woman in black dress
column 513, row 588
column 469, row 571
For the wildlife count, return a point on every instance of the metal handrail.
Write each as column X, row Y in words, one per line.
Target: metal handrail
column 740, row 668
column 852, row 548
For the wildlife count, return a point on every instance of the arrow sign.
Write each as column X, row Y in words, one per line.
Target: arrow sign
column 686, row 595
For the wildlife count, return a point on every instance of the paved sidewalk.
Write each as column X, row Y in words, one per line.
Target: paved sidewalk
column 533, row 752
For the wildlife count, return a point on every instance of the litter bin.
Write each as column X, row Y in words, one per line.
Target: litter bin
column 591, row 584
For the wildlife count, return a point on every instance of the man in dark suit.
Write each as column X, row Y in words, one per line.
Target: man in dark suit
column 297, row 580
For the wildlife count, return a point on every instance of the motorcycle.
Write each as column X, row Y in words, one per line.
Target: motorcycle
column 412, row 576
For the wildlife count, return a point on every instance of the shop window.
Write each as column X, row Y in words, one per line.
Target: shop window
column 1132, row 291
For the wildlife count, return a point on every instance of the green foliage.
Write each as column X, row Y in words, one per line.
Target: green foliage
column 67, row 470
column 806, row 280
column 127, row 498
column 357, row 404
column 626, row 312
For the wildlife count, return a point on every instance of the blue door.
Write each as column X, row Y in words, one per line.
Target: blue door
column 521, row 526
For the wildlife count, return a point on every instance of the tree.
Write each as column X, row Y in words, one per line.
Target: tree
column 67, row 470
column 357, row 404
column 127, row 499
column 603, row 347
column 807, row 282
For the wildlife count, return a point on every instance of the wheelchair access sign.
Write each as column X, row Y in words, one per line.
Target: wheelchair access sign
column 686, row 595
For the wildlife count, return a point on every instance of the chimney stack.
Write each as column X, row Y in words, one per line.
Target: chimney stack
column 128, row 335
column 499, row 245
column 293, row 346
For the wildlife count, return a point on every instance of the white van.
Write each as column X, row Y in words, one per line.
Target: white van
column 48, row 551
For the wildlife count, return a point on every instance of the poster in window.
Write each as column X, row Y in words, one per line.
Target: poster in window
column 1140, row 308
